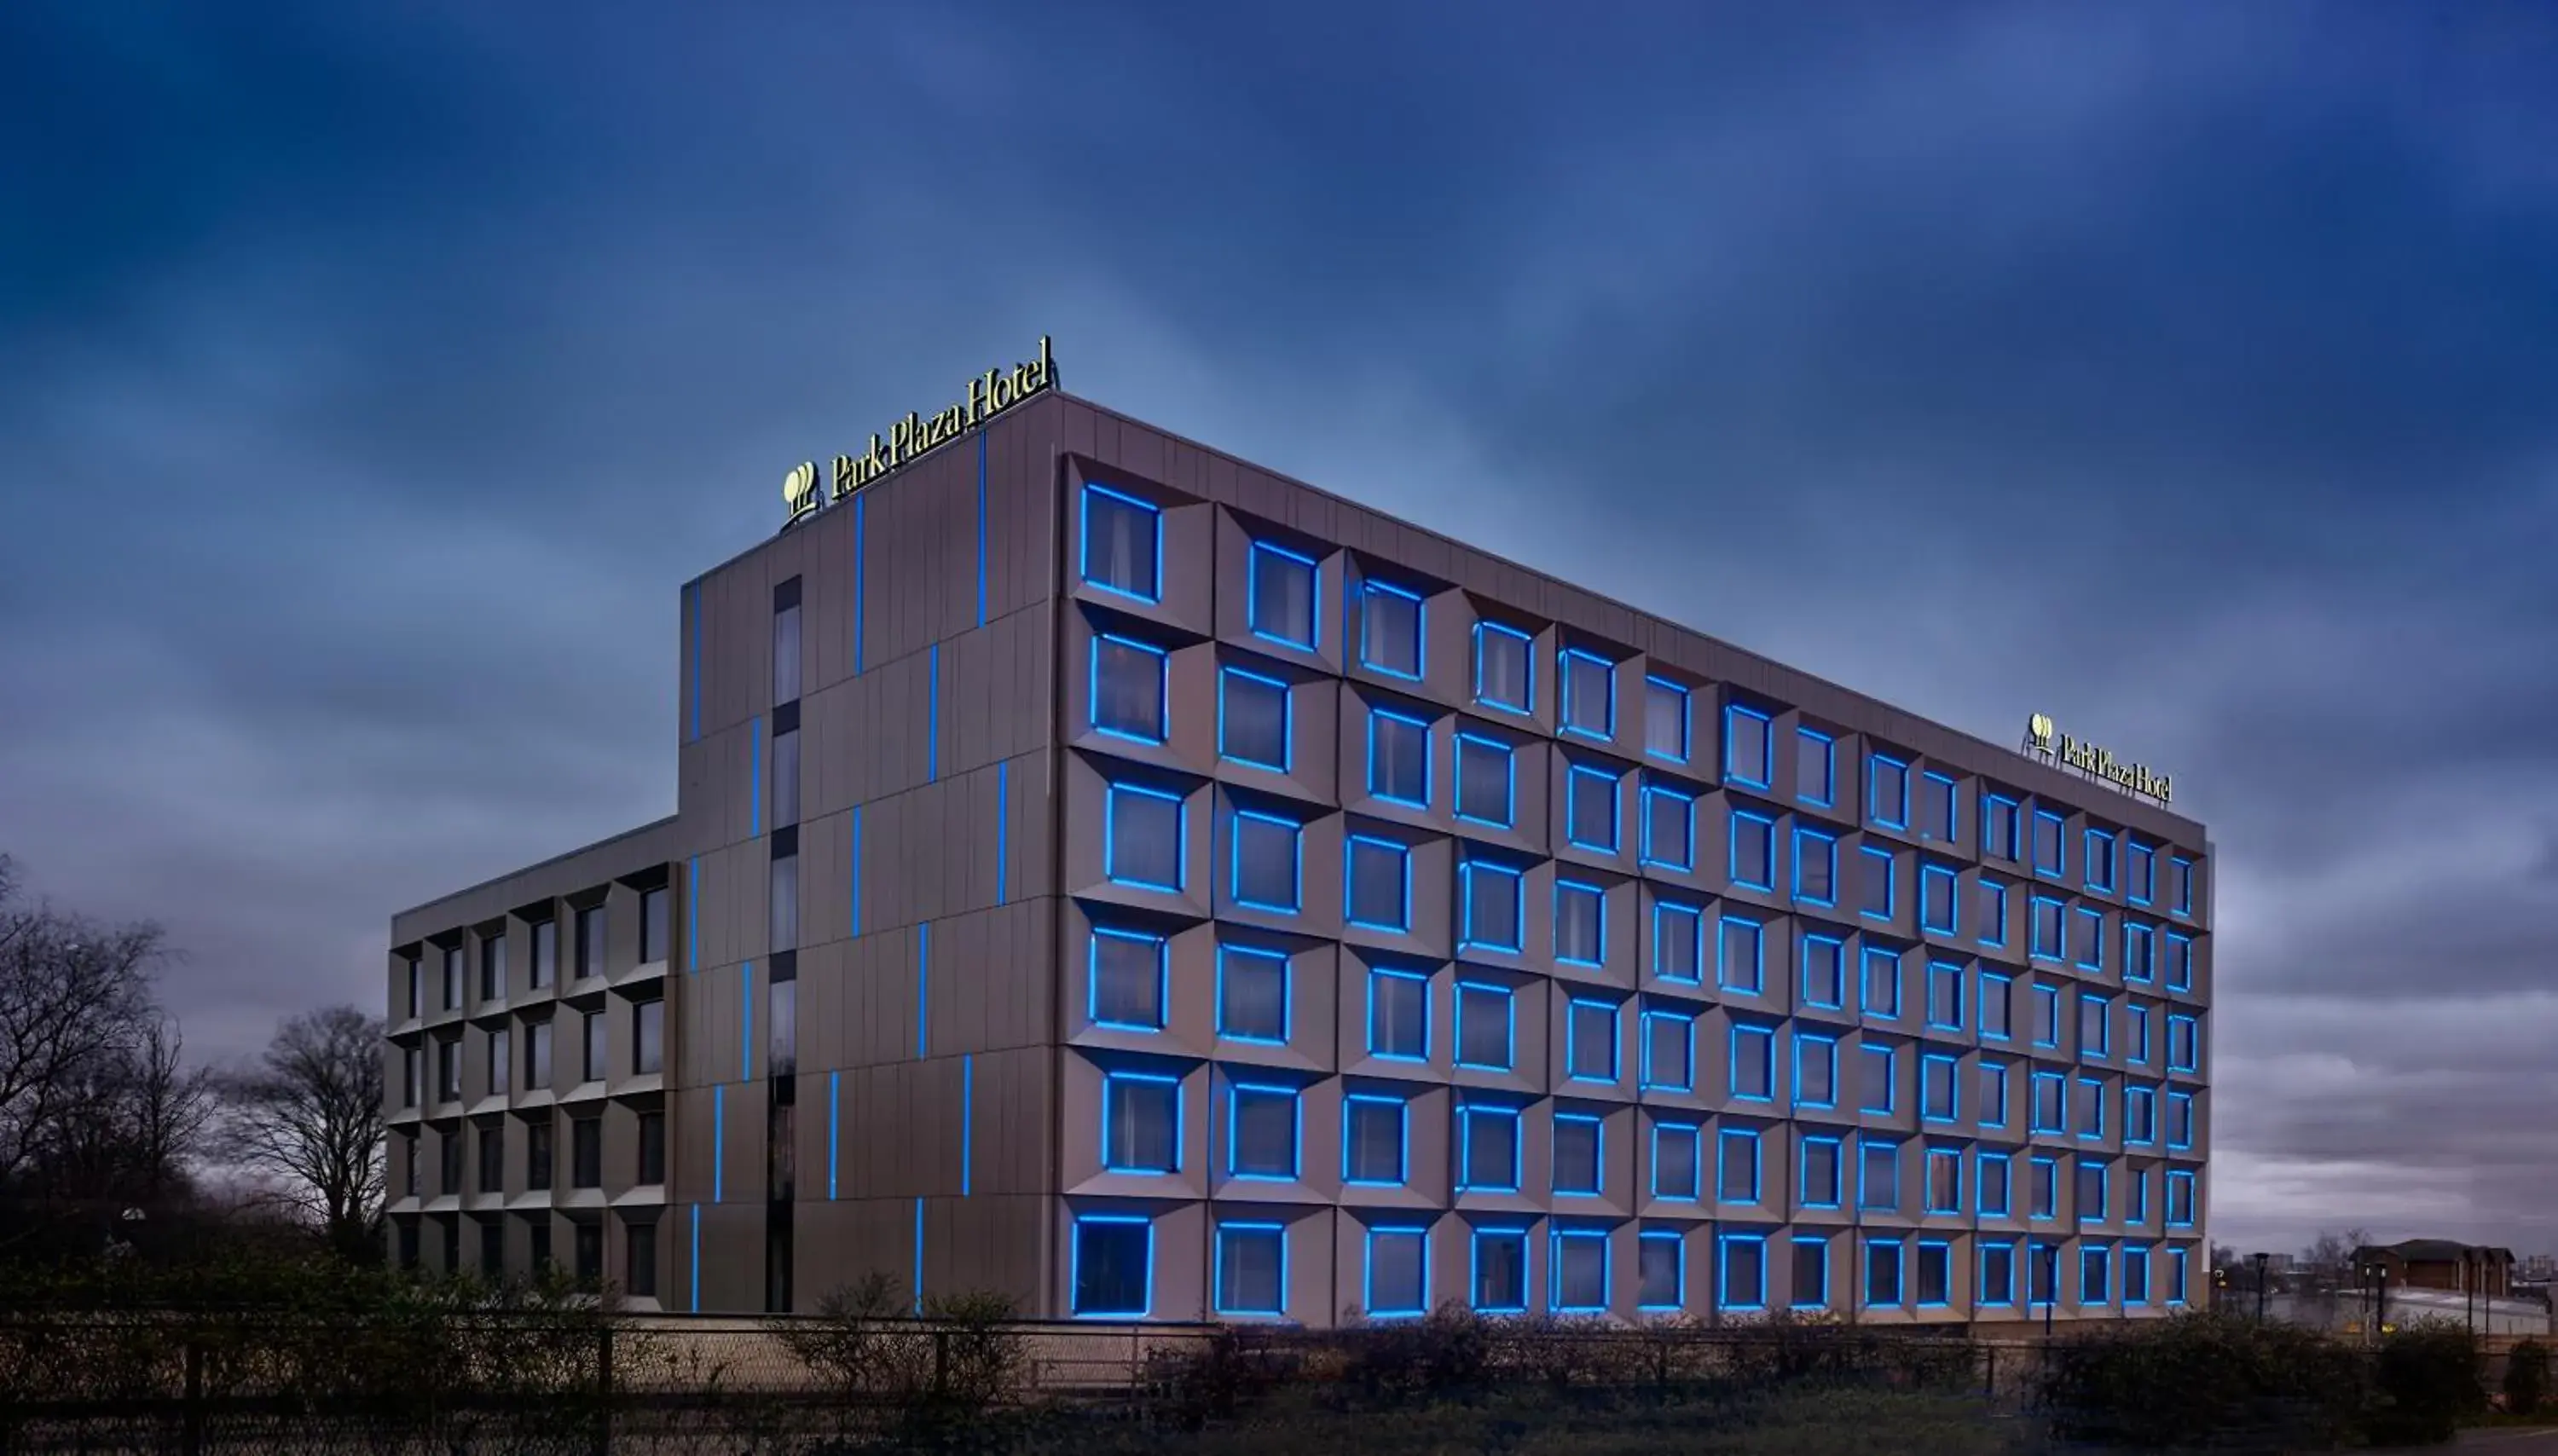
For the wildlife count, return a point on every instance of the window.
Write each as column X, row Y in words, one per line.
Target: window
column 2088, row 929
column 2179, row 1119
column 1123, row 540
column 1266, row 861
column 1503, row 668
column 640, row 1259
column 1665, row 720
column 1742, row 957
column 2051, row 1090
column 1589, row 694
column 1487, row 1148
column 1279, row 596
column 1736, row 1178
column 1141, row 1123
column 2140, row 871
column 2180, row 962
column 1824, row 971
column 1882, row 983
column 1485, row 773
column 416, row 991
column 1251, row 994
column 1389, row 629
column 1114, row 1257
column 2177, row 1268
column 1744, row 1270
column 1753, row 1062
column 2048, row 842
column 1934, row 1264
column 492, row 1158
column 1815, row 776
column 1675, row 1165
column 448, row 1069
column 412, row 1072
column 1876, row 1088
column 1660, row 1270
column 1398, row 1014
column 1999, row 826
column 537, row 1054
column 1252, row 720
column 1669, row 1051
column 1261, row 1131
column 586, row 1152
column 1996, row 1005
column 1935, row 807
column 1992, row 909
column 1580, row 1270
column 1670, row 828
column 545, row 953
column 1882, row 1272
column 1590, row 1043
column 2090, row 1112
column 1993, row 1169
column 653, row 1148
column 1398, row 1264
column 451, row 978
column 1251, row 1268
column 2047, row 1014
column 1815, row 865
column 1993, row 1106
column 1754, row 851
column 2042, row 1274
column 1998, row 1274
column 652, row 925
column 1877, row 1175
column 2136, row 1204
column 2137, row 940
column 1580, row 923
column 493, row 968
column 2140, row 1116
column 1820, row 1172
column 596, row 1062
column 1678, row 942
column 786, row 770
column 1940, row 1098
column 2180, row 888
column 1484, row 1027
column 1500, row 1270
column 785, row 641
column 1143, row 839
column 781, row 896
column 2184, row 1044
column 1590, row 808
column 1945, row 995
column 1887, row 791
column 2050, row 943
column 1815, row 1070
column 1398, row 757
column 647, row 1037
column 2095, row 1025
column 1874, row 882
column 2043, row 1188
column 1945, row 1181
column 1380, row 893
column 1812, row 1285
column 2096, row 859
column 1939, row 904
column 2091, row 1190
column 1578, row 1141
column 1494, row 905
column 2136, row 1275
column 1746, row 747
column 539, row 1155
column 1130, row 979
column 499, row 1063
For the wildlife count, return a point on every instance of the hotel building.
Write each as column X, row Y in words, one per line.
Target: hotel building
column 1110, row 874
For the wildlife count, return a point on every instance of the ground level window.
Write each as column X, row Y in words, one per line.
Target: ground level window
column 1111, row 1265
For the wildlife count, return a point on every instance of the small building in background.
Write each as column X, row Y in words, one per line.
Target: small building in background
column 2440, row 1263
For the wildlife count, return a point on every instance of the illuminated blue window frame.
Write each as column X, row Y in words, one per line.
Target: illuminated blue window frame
column 1367, row 1291
column 1402, row 1139
column 2091, row 936
column 1527, row 657
column 2136, row 1207
column 2058, row 866
column 1763, row 1038
column 1693, row 1135
column 1467, row 742
column 1997, row 1275
column 1582, row 779
column 2140, row 945
column 1745, row 775
column 1995, row 990
column 1571, row 661
column 2184, row 1029
column 2136, row 1275
column 2096, row 859
column 1370, row 590
column 1735, row 1251
column 1599, row 1154
column 1314, row 595
column 1110, row 836
column 1236, row 1095
column 1993, row 911
column 1296, row 861
column 1110, row 1151
column 1811, row 1194
column 1820, row 846
column 1577, row 1013
column 2047, row 1014
column 1993, row 1112
column 1655, row 689
column 2043, row 1193
column 1868, row 858
column 1945, row 1255
column 1473, row 998
column 1559, row 1239
column 1092, row 687
column 2103, row 1169
column 2101, row 1046
column 1571, row 888
column 1879, row 1295
column 1809, row 741
column 1993, row 1184
column 1377, row 977
column 1796, row 1297
column 1684, row 1025
column 1075, row 1273
column 2140, row 870
column 1871, row 1151
column 2140, row 1116
column 1225, row 679
column 1659, row 799
column 1938, row 1072
column 2058, row 1124
column 1403, row 854
column 1942, row 973
column 1232, row 1235
column 1823, row 1046
column 1092, row 978
column 1651, row 1239
column 1946, row 794
column 2180, row 1111
column 1742, row 1143
column 1870, row 1006
column 1376, row 790
column 2138, row 1016
column 1763, row 830
column 1831, row 998
column 2180, row 962
column 2055, row 945
column 1472, row 1179
column 1995, row 810
column 1472, row 871
column 2092, row 1103
column 1674, row 924
column 1741, row 974
column 1225, row 957
column 1153, row 512
column 2181, row 888
column 2179, row 1269
column 1931, row 878
column 1886, row 804
column 2180, row 1194
column 1510, row 1236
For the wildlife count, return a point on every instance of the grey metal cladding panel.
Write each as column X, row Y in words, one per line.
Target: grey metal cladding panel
column 625, row 854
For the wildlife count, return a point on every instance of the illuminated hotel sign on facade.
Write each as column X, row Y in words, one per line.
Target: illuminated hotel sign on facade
column 2043, row 741
column 915, row 435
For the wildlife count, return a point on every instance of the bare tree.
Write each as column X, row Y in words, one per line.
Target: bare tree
column 2330, row 1257
column 309, row 1117
column 76, row 1020
column 131, row 1130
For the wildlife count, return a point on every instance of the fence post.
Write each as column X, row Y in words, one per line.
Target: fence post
column 192, row 1417
column 603, row 1390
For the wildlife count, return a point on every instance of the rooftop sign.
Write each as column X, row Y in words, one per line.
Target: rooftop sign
column 2043, row 741
column 915, row 435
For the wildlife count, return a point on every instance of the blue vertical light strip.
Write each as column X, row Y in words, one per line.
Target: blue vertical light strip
column 981, row 528
column 922, row 990
column 745, row 1023
column 693, row 609
column 754, row 777
column 693, row 915
column 967, row 1121
column 719, row 1143
column 698, row 1258
column 1003, row 794
column 857, row 869
column 834, row 1127
column 860, row 521
column 932, row 717
column 918, row 1256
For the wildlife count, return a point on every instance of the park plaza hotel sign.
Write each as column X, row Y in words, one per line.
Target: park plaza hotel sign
column 2042, row 741
column 919, row 434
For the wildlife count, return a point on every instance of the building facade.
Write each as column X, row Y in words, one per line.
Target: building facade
column 1112, row 874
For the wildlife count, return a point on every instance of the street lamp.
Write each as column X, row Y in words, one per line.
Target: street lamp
column 2051, row 1286
column 2261, row 1260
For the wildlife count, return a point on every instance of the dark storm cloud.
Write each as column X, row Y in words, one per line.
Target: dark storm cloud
column 371, row 377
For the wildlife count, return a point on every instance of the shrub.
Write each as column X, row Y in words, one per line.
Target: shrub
column 1448, row 1351
column 2526, row 1377
column 2427, row 1377
column 2202, row 1377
